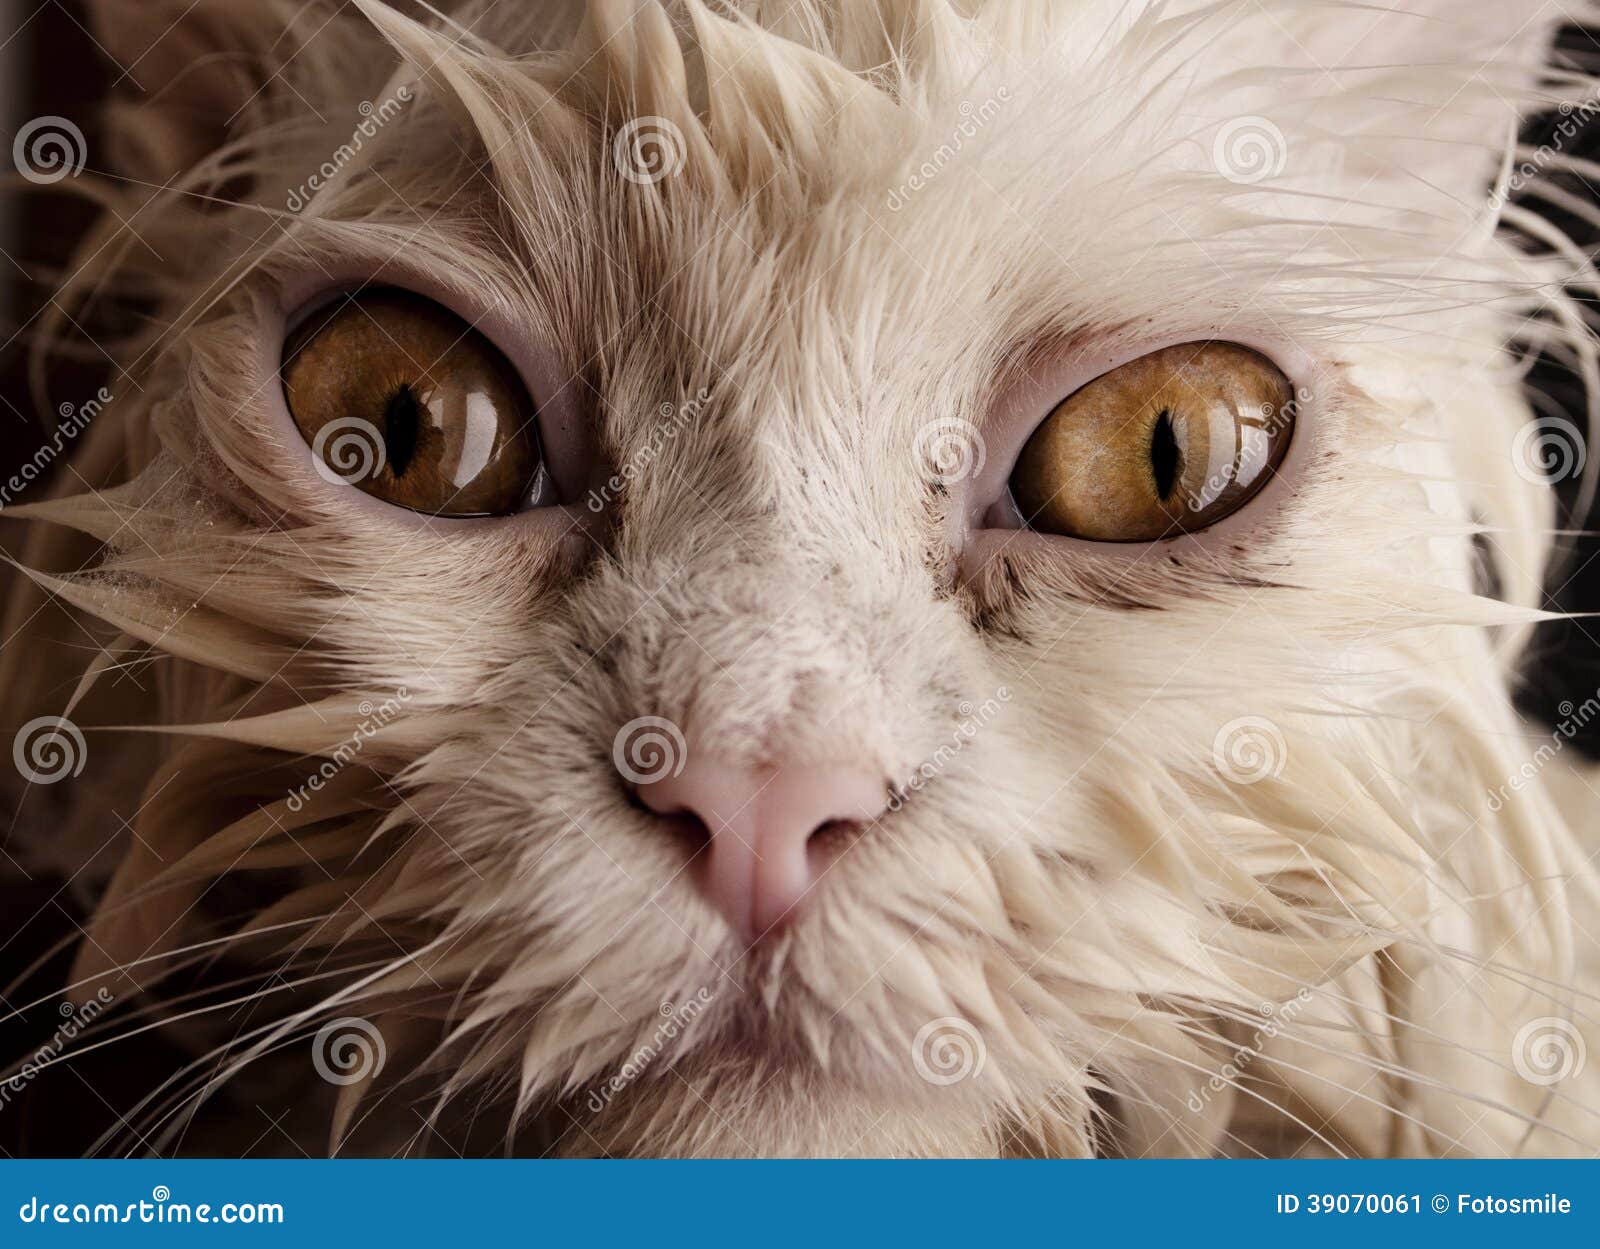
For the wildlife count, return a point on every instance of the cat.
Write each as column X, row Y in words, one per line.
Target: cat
column 815, row 578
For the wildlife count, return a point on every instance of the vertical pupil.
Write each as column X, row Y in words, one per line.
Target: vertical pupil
column 401, row 424
column 1164, row 455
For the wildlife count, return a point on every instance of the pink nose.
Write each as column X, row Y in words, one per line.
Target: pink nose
column 760, row 863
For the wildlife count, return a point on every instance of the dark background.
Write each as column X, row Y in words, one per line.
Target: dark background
column 1563, row 661
column 48, row 66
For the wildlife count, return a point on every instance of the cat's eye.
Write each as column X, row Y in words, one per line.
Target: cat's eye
column 1167, row 444
column 404, row 400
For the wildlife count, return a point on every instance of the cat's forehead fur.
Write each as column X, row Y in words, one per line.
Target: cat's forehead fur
column 876, row 217
column 1003, row 162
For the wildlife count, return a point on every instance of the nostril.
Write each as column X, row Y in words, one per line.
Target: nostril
column 761, row 836
column 686, row 828
column 680, row 824
column 830, row 837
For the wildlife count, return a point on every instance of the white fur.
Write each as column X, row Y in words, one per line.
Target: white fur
column 1112, row 915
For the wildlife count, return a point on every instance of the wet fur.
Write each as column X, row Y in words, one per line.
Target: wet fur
column 1110, row 913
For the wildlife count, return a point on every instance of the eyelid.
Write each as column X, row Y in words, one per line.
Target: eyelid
column 297, row 319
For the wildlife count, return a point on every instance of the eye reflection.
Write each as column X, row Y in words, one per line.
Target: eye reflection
column 478, row 425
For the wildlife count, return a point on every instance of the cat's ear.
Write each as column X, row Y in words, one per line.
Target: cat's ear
column 187, row 74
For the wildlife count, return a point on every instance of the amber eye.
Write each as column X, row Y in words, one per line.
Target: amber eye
column 1167, row 444
column 403, row 399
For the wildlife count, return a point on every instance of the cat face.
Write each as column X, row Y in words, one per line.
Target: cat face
column 916, row 671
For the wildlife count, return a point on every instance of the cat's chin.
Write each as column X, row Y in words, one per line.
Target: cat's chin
column 759, row 1090
column 735, row 1115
